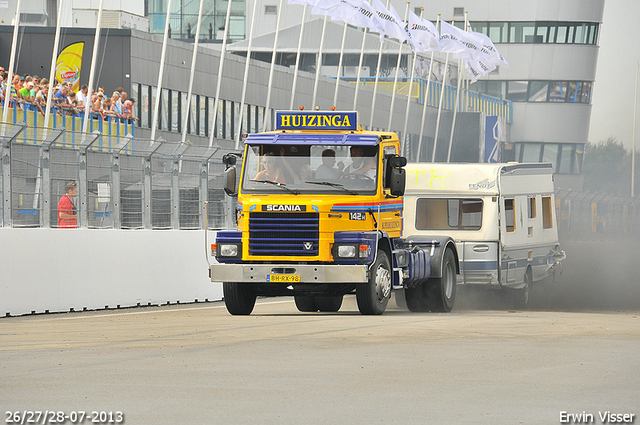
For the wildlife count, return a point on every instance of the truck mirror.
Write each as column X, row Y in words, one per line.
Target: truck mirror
column 397, row 181
column 229, row 160
column 230, row 183
column 397, row 161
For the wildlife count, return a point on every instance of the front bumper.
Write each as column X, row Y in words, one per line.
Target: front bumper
column 309, row 273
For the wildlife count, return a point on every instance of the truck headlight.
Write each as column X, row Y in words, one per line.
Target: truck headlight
column 228, row 250
column 346, row 251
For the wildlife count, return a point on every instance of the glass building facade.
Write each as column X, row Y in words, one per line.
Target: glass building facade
column 184, row 18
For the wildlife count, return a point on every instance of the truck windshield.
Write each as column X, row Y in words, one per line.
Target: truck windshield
column 311, row 169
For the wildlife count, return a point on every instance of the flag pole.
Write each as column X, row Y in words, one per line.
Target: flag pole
column 185, row 121
column 633, row 142
column 455, row 107
column 245, row 79
column 375, row 85
column 319, row 62
column 406, row 114
column 335, row 93
column 395, row 80
column 444, row 83
column 156, row 106
column 267, row 113
column 52, row 71
column 355, row 96
column 223, row 51
column 12, row 62
column 92, row 72
column 455, row 110
column 426, row 98
column 295, row 70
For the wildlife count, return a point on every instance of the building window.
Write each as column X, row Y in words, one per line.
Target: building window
column 521, row 32
column 558, row 91
column 517, row 91
column 174, row 110
column 539, row 32
column 270, row 10
column 565, row 158
column 538, row 91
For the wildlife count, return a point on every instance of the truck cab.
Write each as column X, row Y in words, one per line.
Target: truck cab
column 319, row 215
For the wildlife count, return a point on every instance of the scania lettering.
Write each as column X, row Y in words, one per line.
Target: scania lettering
column 320, row 215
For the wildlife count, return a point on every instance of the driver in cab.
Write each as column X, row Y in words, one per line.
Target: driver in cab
column 363, row 162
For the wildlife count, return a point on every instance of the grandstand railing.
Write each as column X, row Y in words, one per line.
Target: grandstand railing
column 109, row 125
column 123, row 183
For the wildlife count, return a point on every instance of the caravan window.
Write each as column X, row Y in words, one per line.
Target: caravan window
column 531, row 207
column 509, row 215
column 547, row 220
column 448, row 214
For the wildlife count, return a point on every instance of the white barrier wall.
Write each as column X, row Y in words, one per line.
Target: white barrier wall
column 57, row 270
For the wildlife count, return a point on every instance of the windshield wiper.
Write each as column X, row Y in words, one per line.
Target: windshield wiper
column 336, row 185
column 281, row 185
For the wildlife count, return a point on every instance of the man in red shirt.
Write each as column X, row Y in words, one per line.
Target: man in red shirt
column 67, row 215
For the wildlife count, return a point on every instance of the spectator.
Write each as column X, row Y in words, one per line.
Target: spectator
column 128, row 110
column 97, row 103
column 25, row 92
column 67, row 212
column 116, row 105
column 73, row 104
column 81, row 97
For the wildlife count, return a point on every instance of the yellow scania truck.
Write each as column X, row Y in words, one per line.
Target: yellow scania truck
column 320, row 215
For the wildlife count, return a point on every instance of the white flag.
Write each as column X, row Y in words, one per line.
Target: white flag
column 459, row 42
column 302, row 2
column 490, row 49
column 358, row 13
column 393, row 26
column 424, row 34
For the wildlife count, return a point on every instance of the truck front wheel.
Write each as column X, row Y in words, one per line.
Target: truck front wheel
column 373, row 297
column 329, row 303
column 305, row 303
column 239, row 298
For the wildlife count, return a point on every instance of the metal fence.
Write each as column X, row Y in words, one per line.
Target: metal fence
column 589, row 215
column 123, row 183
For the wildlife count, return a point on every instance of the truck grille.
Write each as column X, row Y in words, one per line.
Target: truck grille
column 283, row 234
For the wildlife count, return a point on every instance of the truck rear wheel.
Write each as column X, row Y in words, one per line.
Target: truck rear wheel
column 373, row 297
column 441, row 292
column 329, row 303
column 239, row 298
column 436, row 294
column 305, row 303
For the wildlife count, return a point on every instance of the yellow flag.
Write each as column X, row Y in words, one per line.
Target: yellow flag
column 69, row 63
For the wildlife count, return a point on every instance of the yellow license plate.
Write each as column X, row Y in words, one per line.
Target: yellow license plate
column 283, row 278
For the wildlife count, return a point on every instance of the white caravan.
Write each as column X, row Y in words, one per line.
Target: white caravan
column 501, row 216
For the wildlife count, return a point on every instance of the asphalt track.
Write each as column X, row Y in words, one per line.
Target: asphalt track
column 196, row 364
